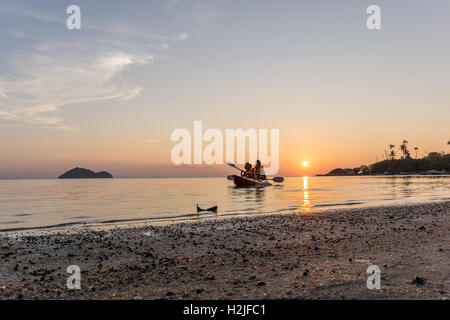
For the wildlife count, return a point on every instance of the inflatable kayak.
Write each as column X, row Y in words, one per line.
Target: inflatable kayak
column 247, row 182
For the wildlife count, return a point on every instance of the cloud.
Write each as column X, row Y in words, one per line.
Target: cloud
column 47, row 75
column 48, row 69
column 52, row 76
column 43, row 72
column 42, row 16
column 182, row 36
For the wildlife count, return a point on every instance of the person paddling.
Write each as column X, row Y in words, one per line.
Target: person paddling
column 259, row 170
column 249, row 171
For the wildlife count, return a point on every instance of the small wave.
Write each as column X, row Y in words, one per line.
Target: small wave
column 112, row 221
column 79, row 217
column 13, row 222
column 282, row 210
column 338, row 204
column 247, row 210
column 61, row 225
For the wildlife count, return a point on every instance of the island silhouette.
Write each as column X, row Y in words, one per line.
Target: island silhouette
column 82, row 173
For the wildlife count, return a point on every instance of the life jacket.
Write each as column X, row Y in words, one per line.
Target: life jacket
column 260, row 174
column 249, row 173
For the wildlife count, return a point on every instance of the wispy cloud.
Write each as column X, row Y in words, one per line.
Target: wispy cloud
column 52, row 76
column 45, row 72
column 48, row 73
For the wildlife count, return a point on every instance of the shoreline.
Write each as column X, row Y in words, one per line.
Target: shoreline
column 77, row 227
column 319, row 255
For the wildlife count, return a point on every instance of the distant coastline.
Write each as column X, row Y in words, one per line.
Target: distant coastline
column 434, row 163
column 352, row 174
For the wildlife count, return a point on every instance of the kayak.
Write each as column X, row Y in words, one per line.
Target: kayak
column 246, row 182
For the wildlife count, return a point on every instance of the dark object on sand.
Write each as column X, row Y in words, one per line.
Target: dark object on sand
column 81, row 173
column 418, row 281
column 212, row 209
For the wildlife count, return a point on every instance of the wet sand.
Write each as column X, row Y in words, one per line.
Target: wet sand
column 321, row 255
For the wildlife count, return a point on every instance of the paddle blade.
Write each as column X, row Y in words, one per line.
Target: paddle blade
column 267, row 184
column 278, row 179
column 230, row 177
column 231, row 164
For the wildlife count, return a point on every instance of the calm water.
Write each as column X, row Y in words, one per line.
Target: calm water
column 38, row 203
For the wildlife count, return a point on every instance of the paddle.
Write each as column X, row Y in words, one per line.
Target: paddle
column 274, row 179
column 277, row 179
column 234, row 166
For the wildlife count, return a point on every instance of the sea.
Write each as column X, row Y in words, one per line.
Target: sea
column 52, row 204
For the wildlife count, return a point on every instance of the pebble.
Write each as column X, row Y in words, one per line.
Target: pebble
column 418, row 281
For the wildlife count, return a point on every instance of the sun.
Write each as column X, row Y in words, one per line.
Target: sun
column 305, row 163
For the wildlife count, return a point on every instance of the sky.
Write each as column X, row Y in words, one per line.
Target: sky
column 109, row 96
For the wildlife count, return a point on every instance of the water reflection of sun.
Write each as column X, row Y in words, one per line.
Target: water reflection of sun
column 306, row 202
column 305, row 183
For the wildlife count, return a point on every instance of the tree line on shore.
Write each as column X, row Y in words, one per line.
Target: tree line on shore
column 429, row 163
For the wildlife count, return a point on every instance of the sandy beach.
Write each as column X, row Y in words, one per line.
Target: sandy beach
column 320, row 255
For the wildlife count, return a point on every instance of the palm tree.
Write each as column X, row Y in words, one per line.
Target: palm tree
column 404, row 149
column 392, row 152
column 415, row 149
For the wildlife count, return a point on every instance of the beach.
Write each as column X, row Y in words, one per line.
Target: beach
column 315, row 255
